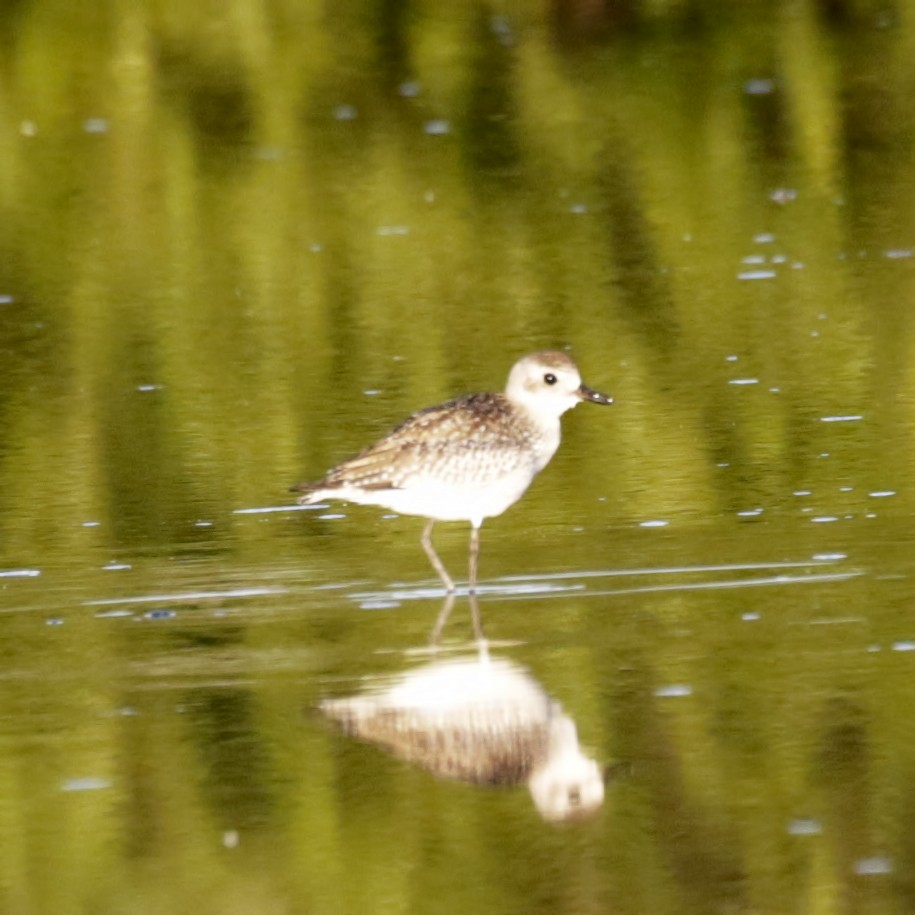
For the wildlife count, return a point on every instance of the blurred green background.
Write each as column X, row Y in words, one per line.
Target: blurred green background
column 239, row 240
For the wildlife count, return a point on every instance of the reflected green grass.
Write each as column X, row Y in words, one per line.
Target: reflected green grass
column 238, row 244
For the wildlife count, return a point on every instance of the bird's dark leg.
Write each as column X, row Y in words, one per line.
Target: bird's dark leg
column 426, row 541
column 474, row 555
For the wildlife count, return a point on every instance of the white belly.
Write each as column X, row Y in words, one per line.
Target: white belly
column 443, row 501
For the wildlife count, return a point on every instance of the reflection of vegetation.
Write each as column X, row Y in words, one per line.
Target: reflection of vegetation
column 198, row 203
column 221, row 223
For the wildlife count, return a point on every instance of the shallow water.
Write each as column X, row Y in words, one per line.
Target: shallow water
column 225, row 264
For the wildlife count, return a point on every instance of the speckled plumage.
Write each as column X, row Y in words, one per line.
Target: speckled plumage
column 467, row 441
column 467, row 459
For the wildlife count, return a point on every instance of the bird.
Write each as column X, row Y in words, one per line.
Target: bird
column 467, row 459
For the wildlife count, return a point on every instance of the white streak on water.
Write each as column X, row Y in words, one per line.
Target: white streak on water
column 737, row 583
column 756, row 275
column 673, row 691
column 527, row 588
column 675, row 570
column 317, row 506
column 184, row 596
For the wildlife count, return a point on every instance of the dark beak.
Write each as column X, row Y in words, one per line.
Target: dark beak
column 586, row 393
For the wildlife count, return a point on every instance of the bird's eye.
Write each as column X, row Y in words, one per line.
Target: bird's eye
column 549, row 378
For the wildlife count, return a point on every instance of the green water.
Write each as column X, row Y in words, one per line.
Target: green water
column 239, row 241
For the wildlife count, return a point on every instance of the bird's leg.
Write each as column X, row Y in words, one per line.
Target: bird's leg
column 477, row 621
column 426, row 541
column 443, row 615
column 474, row 555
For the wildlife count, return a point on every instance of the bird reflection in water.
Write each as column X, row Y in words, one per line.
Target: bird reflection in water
column 482, row 720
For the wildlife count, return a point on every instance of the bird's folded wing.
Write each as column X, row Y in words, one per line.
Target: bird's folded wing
column 457, row 438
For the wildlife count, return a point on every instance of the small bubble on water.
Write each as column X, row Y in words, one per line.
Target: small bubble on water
column 160, row 614
column 87, row 783
column 783, row 195
column 873, row 866
column 804, row 826
column 502, row 28
column 673, row 691
column 437, row 127
column 346, row 113
column 759, row 86
column 268, row 153
column 756, row 275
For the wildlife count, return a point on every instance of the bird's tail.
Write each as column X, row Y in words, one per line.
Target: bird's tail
column 308, row 493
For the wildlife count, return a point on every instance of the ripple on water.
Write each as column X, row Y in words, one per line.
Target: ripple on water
column 673, row 691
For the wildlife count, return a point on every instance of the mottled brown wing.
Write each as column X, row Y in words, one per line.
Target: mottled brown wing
column 476, row 436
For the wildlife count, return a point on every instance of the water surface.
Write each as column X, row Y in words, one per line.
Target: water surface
column 238, row 245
